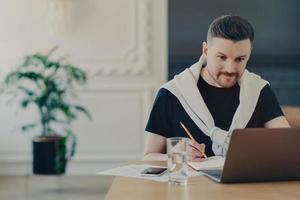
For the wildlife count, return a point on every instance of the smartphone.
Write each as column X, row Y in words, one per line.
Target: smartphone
column 154, row 171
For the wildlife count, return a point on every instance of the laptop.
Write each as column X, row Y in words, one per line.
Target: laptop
column 260, row 154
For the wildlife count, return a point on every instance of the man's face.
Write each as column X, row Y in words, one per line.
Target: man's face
column 226, row 60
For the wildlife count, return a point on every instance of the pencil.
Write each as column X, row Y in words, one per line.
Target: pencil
column 192, row 138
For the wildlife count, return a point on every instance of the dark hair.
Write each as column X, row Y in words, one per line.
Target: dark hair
column 232, row 28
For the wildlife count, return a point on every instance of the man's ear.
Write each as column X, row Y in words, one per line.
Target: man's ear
column 204, row 49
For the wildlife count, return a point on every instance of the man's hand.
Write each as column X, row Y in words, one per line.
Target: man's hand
column 195, row 151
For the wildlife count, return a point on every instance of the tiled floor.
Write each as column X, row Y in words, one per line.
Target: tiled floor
column 54, row 187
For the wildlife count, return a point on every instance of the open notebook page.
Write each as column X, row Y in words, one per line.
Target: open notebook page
column 214, row 162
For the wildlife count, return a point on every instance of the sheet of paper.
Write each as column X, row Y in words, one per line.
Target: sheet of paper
column 134, row 171
column 214, row 162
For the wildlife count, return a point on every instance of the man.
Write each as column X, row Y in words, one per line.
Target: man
column 214, row 96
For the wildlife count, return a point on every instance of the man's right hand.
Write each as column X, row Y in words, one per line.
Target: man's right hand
column 195, row 151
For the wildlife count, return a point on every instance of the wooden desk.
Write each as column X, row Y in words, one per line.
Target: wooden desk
column 200, row 188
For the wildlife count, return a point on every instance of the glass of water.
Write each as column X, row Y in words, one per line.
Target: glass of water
column 177, row 160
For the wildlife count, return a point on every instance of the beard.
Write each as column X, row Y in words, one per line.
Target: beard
column 226, row 79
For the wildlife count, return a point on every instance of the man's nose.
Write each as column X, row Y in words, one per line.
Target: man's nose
column 230, row 66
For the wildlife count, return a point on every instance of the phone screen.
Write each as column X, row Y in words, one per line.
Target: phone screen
column 154, row 171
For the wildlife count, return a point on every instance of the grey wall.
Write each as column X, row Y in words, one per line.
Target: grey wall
column 277, row 45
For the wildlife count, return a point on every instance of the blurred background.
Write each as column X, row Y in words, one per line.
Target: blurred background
column 122, row 46
column 276, row 50
column 129, row 48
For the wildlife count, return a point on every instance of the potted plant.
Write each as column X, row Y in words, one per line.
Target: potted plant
column 48, row 85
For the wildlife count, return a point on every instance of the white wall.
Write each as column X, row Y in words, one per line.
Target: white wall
column 122, row 44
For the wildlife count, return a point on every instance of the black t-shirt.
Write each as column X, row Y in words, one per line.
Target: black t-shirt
column 222, row 103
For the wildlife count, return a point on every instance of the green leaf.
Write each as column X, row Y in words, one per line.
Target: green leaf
column 75, row 74
column 11, row 78
column 29, row 61
column 16, row 76
column 69, row 114
column 27, row 127
column 36, row 60
column 27, row 91
column 85, row 111
column 65, row 109
column 25, row 102
column 40, row 58
column 54, row 65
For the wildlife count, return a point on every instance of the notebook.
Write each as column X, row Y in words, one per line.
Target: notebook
column 214, row 162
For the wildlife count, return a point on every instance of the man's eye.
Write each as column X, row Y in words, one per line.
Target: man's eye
column 222, row 57
column 240, row 59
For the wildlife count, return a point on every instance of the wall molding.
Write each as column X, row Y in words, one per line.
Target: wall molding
column 135, row 60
